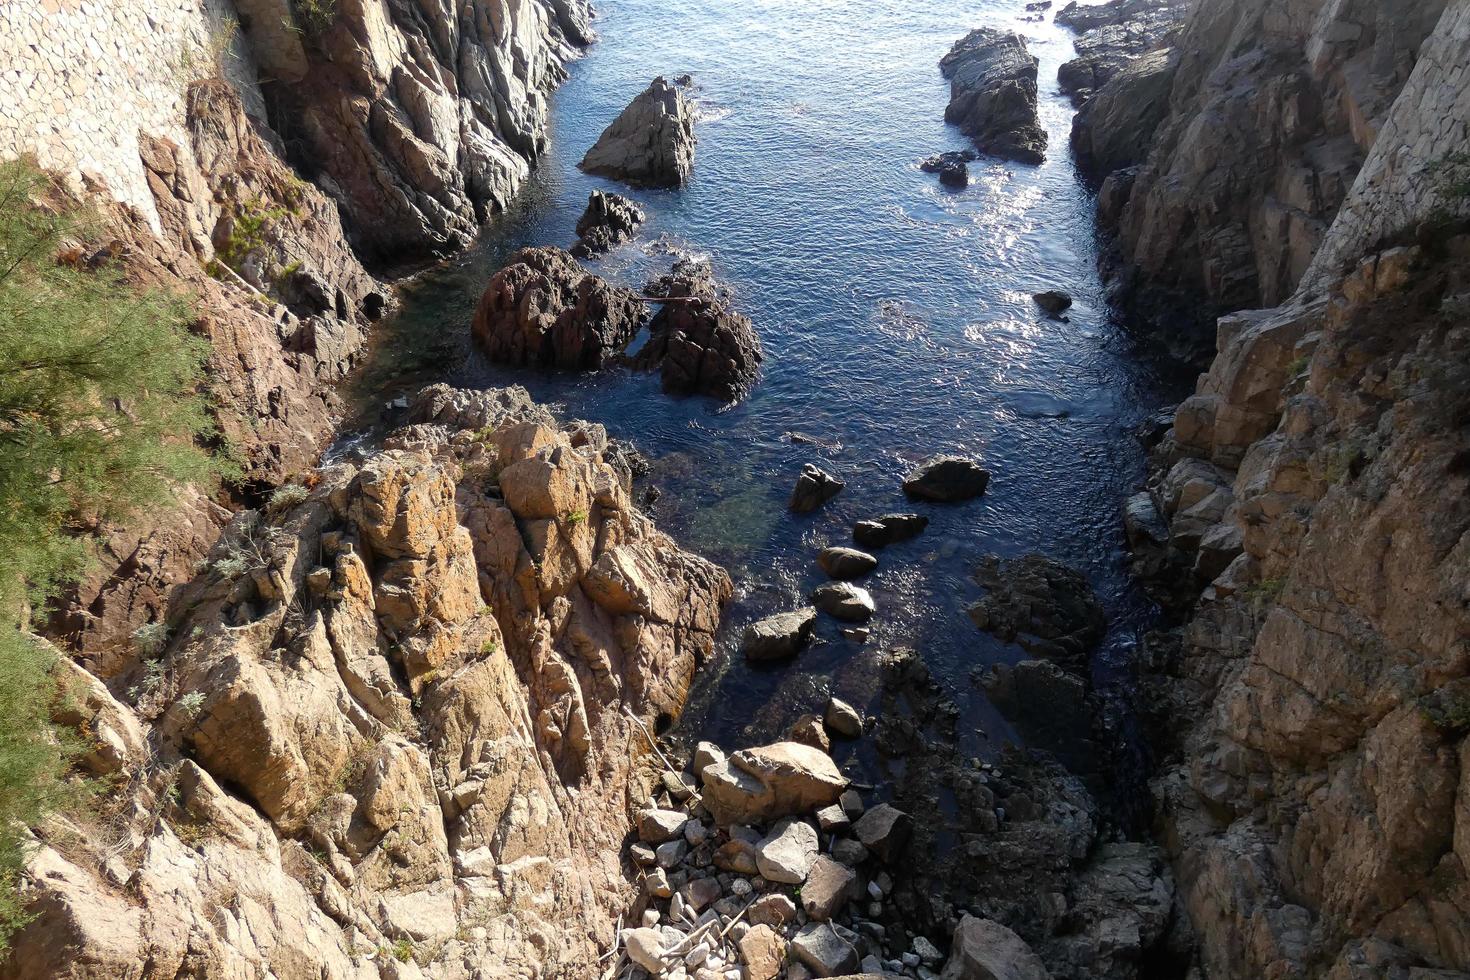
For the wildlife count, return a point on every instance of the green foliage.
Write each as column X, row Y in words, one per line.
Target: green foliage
column 251, row 227
column 314, row 16
column 151, row 638
column 98, row 405
column 287, row 496
column 1452, row 175
column 403, row 950
column 577, row 517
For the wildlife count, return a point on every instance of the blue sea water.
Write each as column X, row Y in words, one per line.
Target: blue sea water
column 896, row 318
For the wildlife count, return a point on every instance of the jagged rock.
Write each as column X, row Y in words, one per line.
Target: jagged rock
column 832, row 819
column 651, row 143
column 985, row 950
column 946, row 479
column 993, row 94
column 543, row 309
column 823, row 951
column 645, row 948
column 657, row 826
column 850, row 852
column 1053, row 301
column 702, row 892
column 761, row 784
column 843, row 718
column 813, row 488
column 888, row 529
column 846, row 563
column 609, row 221
column 737, row 856
column 706, row 754
column 1113, row 130
column 698, row 344
column 1115, row 35
column 779, row 637
column 885, row 831
column 1041, row 604
column 829, row 885
column 808, row 730
column 787, row 853
column 844, row 601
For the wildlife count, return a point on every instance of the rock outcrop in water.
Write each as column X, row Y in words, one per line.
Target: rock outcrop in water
column 394, row 725
column 1113, row 35
column 609, row 221
column 651, row 143
column 992, row 94
column 544, row 310
column 697, row 343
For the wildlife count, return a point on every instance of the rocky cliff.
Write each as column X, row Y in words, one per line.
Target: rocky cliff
column 1312, row 709
column 392, row 724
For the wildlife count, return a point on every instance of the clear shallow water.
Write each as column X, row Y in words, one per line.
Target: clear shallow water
column 896, row 318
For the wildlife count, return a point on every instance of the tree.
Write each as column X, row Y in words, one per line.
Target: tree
column 100, row 414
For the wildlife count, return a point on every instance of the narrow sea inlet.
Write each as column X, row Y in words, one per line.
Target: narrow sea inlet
column 897, row 321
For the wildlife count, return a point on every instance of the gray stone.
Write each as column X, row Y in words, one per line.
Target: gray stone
column 787, row 853
column 659, row 826
column 885, row 831
column 828, row 887
column 651, row 143
column 779, row 637
column 843, row 719
column 813, row 488
column 888, row 529
column 946, row 479
column 986, row 950
column 846, row 563
column 819, row 947
column 845, row 601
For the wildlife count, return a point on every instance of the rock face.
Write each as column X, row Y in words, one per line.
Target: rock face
column 609, row 221
column 992, row 94
column 1272, row 108
column 417, row 685
column 1113, row 34
column 697, row 343
column 1112, row 131
column 1041, row 604
column 651, row 143
column 544, row 310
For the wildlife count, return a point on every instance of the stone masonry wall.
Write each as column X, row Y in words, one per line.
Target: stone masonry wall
column 81, row 79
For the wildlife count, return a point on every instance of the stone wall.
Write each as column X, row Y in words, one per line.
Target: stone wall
column 83, row 78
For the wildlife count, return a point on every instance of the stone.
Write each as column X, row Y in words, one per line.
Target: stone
column 737, row 856
column 763, row 951
column 1053, row 301
column 832, row 819
column 680, row 785
column 844, row 601
column 985, row 950
column 842, row 718
column 779, row 637
column 609, row 221
column 851, row 802
column 671, row 854
column 1046, row 608
column 814, row 487
column 846, row 563
column 819, row 947
column 787, row 853
column 697, row 341
column 828, row 887
column 658, row 826
column 993, row 94
column 643, row 855
column 926, row 951
column 850, row 852
column 658, row 883
column 645, row 948
column 888, row 529
column 701, row 892
column 542, row 309
column 808, row 730
column 773, row 909
column 706, row 754
column 946, row 479
column 885, row 831
column 651, row 143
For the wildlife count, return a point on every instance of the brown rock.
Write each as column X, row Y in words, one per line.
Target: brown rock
column 761, row 784
column 763, row 951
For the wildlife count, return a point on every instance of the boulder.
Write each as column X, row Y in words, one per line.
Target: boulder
column 1053, row 301
column 846, row 563
column 610, row 220
column 644, row 948
column 843, row 719
column 761, row 784
column 808, row 730
column 821, row 949
column 844, row 601
column 985, row 950
column 829, row 885
column 885, row 831
column 992, row 96
column 1040, row 604
column 888, row 529
column 651, row 143
column 814, row 487
column 946, row 479
column 787, row 853
column 658, row 826
column 542, row 309
column 706, row 754
column 697, row 343
column 779, row 637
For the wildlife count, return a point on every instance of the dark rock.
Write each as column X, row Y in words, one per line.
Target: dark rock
column 1040, row 604
column 1116, row 126
column 779, row 637
column 846, row 563
column 844, row 601
column 610, row 220
column 993, row 94
column 1053, row 301
column 697, row 343
column 888, row 529
column 651, row 143
column 952, row 167
column 544, row 310
column 813, row 488
column 946, row 479
column 885, row 831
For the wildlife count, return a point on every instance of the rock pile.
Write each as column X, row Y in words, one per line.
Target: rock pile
column 651, row 143
column 992, row 96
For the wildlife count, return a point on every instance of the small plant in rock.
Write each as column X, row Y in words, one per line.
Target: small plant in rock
column 232, row 566
column 190, row 704
column 154, row 672
column 403, row 950
column 314, row 16
column 151, row 638
column 288, row 496
column 577, row 517
column 489, row 646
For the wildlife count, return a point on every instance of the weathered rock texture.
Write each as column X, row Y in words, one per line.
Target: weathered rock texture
column 992, row 94
column 1113, row 35
column 610, row 220
column 393, row 728
column 544, row 309
column 697, row 342
column 1315, row 799
column 1272, row 108
column 651, row 143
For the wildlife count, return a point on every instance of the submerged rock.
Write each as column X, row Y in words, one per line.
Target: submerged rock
column 651, row 143
column 544, row 310
column 888, row 529
column 952, row 167
column 946, row 479
column 779, row 637
column 1040, row 604
column 844, row 601
column 846, row 563
column 696, row 341
column 610, row 220
column 993, row 94
column 813, row 488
